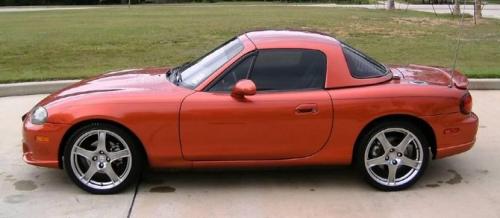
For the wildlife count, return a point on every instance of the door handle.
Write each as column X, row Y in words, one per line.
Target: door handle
column 306, row 109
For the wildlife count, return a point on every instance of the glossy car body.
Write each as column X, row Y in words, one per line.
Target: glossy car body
column 180, row 127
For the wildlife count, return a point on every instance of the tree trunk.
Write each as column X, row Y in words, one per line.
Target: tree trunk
column 477, row 9
column 390, row 5
column 456, row 8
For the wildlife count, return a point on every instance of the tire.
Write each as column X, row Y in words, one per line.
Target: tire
column 102, row 158
column 385, row 162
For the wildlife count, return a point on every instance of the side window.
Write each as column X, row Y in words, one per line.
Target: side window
column 237, row 73
column 360, row 65
column 289, row 69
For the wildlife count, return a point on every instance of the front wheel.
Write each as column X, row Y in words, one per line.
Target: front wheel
column 393, row 155
column 102, row 158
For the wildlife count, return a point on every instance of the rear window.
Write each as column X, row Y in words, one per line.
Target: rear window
column 362, row 66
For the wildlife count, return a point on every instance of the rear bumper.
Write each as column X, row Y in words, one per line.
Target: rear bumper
column 41, row 143
column 452, row 150
column 455, row 133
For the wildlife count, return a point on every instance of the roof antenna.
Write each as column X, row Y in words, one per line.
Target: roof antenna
column 460, row 28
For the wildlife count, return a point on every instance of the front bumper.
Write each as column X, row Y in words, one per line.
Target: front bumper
column 41, row 143
column 455, row 133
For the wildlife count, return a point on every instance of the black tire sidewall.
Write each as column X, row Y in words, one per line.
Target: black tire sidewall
column 365, row 139
column 136, row 154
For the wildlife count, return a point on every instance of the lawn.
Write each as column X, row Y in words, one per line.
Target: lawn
column 80, row 43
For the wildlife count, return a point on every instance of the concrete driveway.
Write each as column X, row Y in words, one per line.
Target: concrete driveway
column 466, row 185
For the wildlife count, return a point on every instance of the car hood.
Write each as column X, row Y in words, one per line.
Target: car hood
column 419, row 74
column 124, row 81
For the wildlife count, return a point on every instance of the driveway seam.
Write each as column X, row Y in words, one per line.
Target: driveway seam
column 133, row 198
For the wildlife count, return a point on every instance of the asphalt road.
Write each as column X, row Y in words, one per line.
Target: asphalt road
column 489, row 10
column 466, row 185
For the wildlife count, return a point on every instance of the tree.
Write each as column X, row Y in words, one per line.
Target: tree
column 456, row 7
column 477, row 9
column 390, row 5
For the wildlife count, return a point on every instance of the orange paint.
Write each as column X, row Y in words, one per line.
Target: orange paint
column 184, row 128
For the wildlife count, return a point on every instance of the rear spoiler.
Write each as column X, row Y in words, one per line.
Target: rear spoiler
column 458, row 79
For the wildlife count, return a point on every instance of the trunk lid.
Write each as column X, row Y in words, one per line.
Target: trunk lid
column 431, row 75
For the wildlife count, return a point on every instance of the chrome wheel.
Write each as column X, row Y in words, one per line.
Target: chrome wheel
column 393, row 157
column 100, row 159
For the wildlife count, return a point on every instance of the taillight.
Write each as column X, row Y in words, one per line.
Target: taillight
column 466, row 104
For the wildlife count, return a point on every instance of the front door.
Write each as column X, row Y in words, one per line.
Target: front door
column 289, row 117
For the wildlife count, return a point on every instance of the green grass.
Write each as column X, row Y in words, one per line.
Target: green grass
column 81, row 43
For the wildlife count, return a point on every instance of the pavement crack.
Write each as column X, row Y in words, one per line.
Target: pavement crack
column 135, row 195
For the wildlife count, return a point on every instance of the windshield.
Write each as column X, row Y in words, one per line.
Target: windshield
column 203, row 67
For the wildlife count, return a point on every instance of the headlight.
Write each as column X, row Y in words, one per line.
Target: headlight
column 39, row 115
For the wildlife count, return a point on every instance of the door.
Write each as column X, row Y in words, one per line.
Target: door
column 289, row 117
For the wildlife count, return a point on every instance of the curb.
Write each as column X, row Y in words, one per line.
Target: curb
column 31, row 88
column 484, row 84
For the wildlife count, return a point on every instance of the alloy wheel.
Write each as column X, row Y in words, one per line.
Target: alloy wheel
column 393, row 157
column 100, row 159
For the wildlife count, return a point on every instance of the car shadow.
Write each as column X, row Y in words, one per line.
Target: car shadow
column 311, row 178
column 439, row 173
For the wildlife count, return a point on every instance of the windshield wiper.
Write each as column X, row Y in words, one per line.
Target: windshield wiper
column 174, row 74
column 177, row 77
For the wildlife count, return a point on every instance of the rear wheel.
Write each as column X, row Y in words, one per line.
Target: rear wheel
column 393, row 155
column 102, row 158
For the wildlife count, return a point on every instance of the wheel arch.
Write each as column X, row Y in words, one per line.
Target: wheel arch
column 79, row 124
column 426, row 128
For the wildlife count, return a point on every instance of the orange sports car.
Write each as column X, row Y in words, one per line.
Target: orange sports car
column 264, row 98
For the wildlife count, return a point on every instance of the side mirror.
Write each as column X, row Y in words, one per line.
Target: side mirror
column 244, row 87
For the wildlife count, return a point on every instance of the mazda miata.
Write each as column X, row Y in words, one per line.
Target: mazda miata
column 273, row 98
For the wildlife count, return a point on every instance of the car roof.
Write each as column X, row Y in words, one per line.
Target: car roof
column 263, row 38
